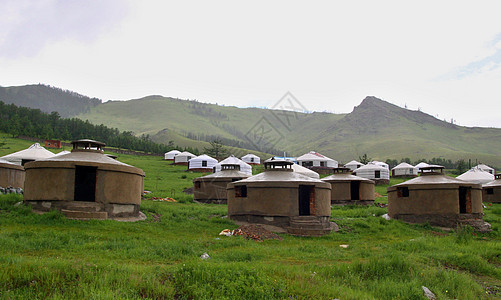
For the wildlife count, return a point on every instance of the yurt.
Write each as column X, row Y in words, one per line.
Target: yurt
column 202, row 163
column 299, row 169
column 62, row 153
column 476, row 175
column 317, row 162
column 380, row 163
column 353, row 165
column 183, row 158
column 486, row 168
column 348, row 189
column 404, row 170
column 251, row 159
column 34, row 152
column 421, row 165
column 85, row 184
column 212, row 188
column 491, row 192
column 437, row 199
column 171, row 154
column 11, row 175
column 378, row 174
column 232, row 160
column 281, row 197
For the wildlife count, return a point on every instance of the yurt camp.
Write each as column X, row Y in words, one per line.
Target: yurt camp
column 437, row 199
column 183, row 158
column 251, row 159
column 486, row 168
column 171, row 154
column 353, row 165
column 378, row 174
column 281, row 197
column 202, row 163
column 232, row 160
column 34, row 152
column 85, row 184
column 212, row 188
column 491, row 192
column 317, row 162
column 11, row 175
column 348, row 189
column 476, row 175
column 404, row 170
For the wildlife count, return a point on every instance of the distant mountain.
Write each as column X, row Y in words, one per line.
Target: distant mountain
column 48, row 99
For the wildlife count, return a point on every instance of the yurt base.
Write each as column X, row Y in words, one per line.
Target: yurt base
column 81, row 210
column 211, row 201
column 352, row 202
column 447, row 221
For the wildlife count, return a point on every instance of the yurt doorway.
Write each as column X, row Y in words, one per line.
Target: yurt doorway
column 306, row 197
column 355, row 190
column 85, row 183
column 464, row 200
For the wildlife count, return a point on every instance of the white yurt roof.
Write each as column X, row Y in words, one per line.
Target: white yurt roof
column 314, row 156
column 173, row 152
column 380, row 163
column 186, row 153
column 421, row 165
column 305, row 171
column 3, row 161
column 34, row 152
column 62, row 153
column 476, row 175
column 353, row 162
column 250, row 155
column 371, row 166
column 196, row 162
column 484, row 167
column 232, row 160
column 403, row 165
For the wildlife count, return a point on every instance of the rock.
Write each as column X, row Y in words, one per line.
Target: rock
column 428, row 294
column 205, row 256
column 386, row 217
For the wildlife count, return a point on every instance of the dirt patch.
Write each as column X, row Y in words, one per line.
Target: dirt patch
column 256, row 233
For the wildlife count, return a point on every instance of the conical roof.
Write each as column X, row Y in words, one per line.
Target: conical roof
column 476, row 175
column 232, row 160
column 371, row 166
column 312, row 155
column 494, row 183
column 62, row 153
column 7, row 164
column 280, row 173
column 305, row 171
column 435, row 179
column 404, row 165
column 421, row 165
column 354, row 162
column 34, row 152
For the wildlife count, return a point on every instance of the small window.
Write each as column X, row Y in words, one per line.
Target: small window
column 241, row 191
column 411, row 171
column 403, row 192
column 252, row 159
column 322, row 163
column 204, row 163
column 377, row 174
column 490, row 191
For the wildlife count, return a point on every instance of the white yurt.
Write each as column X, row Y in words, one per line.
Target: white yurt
column 183, row 158
column 315, row 159
column 353, row 165
column 421, row 165
column 251, row 159
column 476, row 175
column 404, row 169
column 232, row 160
column 202, row 163
column 171, row 154
column 33, row 153
column 486, row 168
column 381, row 164
column 305, row 171
column 62, row 153
column 379, row 174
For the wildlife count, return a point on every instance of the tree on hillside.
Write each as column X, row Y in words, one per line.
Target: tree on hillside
column 216, row 149
column 461, row 166
column 391, row 162
column 364, row 159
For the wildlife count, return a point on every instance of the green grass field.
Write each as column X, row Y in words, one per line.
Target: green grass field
column 50, row 257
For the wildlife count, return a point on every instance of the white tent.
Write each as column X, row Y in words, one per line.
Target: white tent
column 183, row 157
column 62, row 153
column 486, row 168
column 352, row 165
column 373, row 172
column 404, row 169
column 380, row 163
column 202, row 162
column 232, row 160
column 421, row 165
column 251, row 159
column 305, row 171
column 476, row 175
column 171, row 154
column 34, row 152
column 314, row 159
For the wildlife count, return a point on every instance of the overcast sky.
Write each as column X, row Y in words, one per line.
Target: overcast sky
column 443, row 57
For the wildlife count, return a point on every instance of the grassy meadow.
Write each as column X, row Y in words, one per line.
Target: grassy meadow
column 50, row 257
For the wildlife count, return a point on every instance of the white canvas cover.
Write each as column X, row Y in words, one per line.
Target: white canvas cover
column 183, row 157
column 171, row 154
column 404, row 169
column 476, row 175
column 421, row 165
column 251, row 158
column 34, row 152
column 369, row 171
column 486, row 168
column 305, row 171
column 381, row 164
column 232, row 160
column 315, row 159
column 62, row 153
column 201, row 162
column 353, row 165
